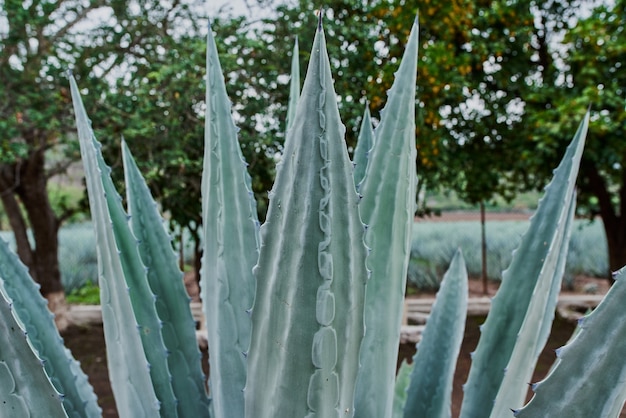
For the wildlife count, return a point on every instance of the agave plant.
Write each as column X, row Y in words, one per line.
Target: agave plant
column 303, row 313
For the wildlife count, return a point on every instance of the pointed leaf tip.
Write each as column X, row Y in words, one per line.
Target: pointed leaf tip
column 320, row 17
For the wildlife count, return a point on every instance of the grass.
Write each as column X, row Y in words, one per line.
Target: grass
column 434, row 244
column 88, row 294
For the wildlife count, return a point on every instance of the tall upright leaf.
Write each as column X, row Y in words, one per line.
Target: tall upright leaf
column 307, row 316
column 129, row 371
column 142, row 298
column 403, row 379
column 388, row 208
column 535, row 329
column 32, row 311
column 589, row 380
column 363, row 146
column 294, row 85
column 172, row 301
column 230, row 246
column 430, row 391
column 25, row 390
column 534, row 258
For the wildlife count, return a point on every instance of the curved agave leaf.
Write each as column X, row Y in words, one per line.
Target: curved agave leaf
column 589, row 380
column 172, row 301
column 534, row 258
column 532, row 338
column 230, row 246
column 25, row 390
column 430, row 391
column 363, row 146
column 129, row 371
column 32, row 311
column 141, row 295
column 307, row 316
column 388, row 208
column 403, row 379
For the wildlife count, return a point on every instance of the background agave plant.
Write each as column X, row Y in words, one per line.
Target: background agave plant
column 303, row 313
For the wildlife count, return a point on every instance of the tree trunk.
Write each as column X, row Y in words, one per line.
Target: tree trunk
column 16, row 221
column 33, row 193
column 616, row 242
column 26, row 180
column 614, row 223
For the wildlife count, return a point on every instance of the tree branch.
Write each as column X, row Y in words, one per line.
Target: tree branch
column 59, row 168
column 79, row 17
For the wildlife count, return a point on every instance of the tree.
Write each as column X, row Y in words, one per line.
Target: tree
column 485, row 73
column 474, row 59
column 588, row 73
column 42, row 40
column 159, row 110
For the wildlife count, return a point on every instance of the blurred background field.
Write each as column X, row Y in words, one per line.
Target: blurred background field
column 434, row 244
column 435, row 239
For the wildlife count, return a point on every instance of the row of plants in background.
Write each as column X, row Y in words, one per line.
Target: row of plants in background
column 432, row 248
column 303, row 314
column 78, row 260
column 435, row 243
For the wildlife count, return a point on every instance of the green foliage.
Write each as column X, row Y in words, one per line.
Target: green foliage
column 87, row 294
column 592, row 77
column 39, row 42
column 66, row 201
column 471, row 52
